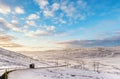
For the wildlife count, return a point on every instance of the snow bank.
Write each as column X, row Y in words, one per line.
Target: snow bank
column 60, row 73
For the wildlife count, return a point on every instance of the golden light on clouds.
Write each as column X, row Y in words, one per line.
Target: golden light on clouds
column 6, row 41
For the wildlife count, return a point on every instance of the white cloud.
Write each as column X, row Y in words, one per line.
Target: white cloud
column 25, row 26
column 55, row 6
column 75, row 10
column 32, row 17
column 4, row 9
column 6, row 25
column 37, row 33
column 31, row 23
column 19, row 10
column 46, row 31
column 61, row 21
column 82, row 3
column 68, row 9
column 42, row 3
column 48, row 10
column 48, row 13
column 14, row 22
column 50, row 28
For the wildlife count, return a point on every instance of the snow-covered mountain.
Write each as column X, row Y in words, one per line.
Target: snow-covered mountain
column 13, row 59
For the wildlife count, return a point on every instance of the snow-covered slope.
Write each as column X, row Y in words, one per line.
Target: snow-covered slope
column 13, row 59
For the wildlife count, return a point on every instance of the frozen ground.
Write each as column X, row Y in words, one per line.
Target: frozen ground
column 108, row 58
column 60, row 73
column 95, row 63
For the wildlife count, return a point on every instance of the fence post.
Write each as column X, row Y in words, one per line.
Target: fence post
column 96, row 66
column 6, row 75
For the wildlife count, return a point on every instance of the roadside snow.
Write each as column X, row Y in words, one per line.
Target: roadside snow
column 60, row 73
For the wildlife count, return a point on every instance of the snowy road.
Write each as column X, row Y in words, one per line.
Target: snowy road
column 59, row 73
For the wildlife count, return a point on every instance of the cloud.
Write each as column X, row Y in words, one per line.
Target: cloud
column 48, row 13
column 82, row 4
column 68, row 9
column 55, row 6
column 48, row 30
column 112, row 41
column 4, row 9
column 4, row 38
column 8, row 26
column 15, row 27
column 19, row 10
column 2, row 30
column 15, row 22
column 31, row 23
column 59, row 21
column 33, row 17
column 42, row 3
column 71, row 11
column 10, row 45
column 6, row 41
column 37, row 33
column 47, row 10
column 51, row 28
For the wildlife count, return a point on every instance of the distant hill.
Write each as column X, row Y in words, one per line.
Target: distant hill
column 99, row 52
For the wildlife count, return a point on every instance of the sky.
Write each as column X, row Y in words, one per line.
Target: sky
column 38, row 25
